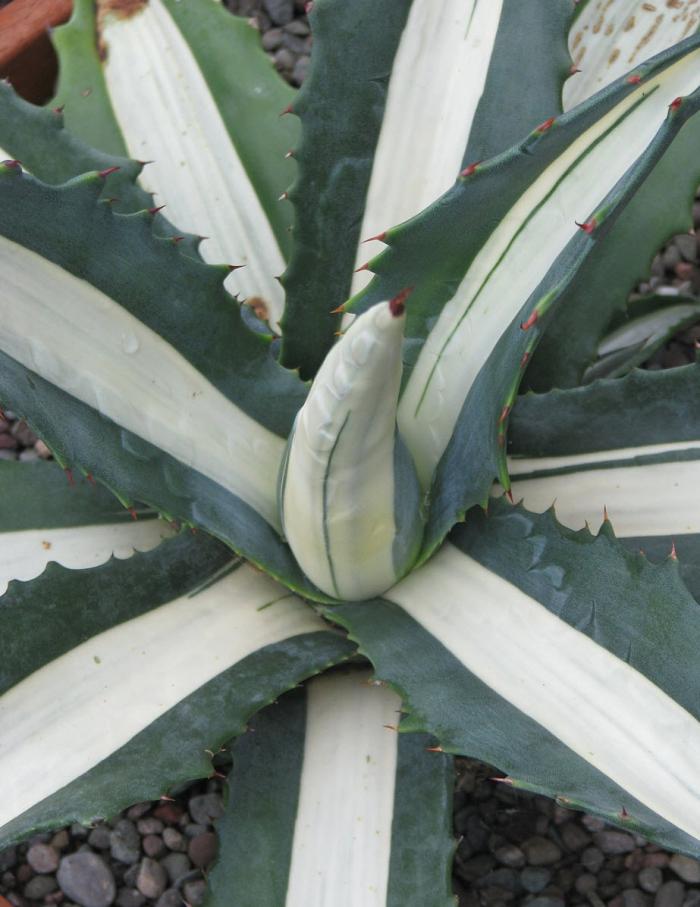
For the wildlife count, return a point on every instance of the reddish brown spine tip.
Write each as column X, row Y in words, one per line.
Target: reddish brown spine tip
column 90, row 478
column 573, row 69
column 509, row 495
column 154, row 211
column 624, row 814
column 505, row 412
column 364, row 267
column 288, row 109
column 675, row 103
column 634, row 80
column 505, row 780
column 289, row 154
column 469, row 170
column 587, row 226
column 397, row 305
column 434, row 749
column 673, row 555
column 526, row 325
column 133, row 514
column 69, row 476
column 105, row 173
column 606, row 518
column 391, row 727
column 338, row 310
column 12, row 164
column 525, row 359
column 59, row 110
column 381, row 237
column 543, row 127
column 234, row 267
column 176, row 239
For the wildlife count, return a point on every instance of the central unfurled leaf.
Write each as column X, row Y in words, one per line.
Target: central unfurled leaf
column 349, row 495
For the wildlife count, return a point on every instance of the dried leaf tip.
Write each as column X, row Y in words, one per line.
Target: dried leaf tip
column 397, row 305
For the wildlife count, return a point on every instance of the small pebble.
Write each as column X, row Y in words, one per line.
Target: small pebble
column 171, row 897
column 125, row 842
column 535, row 878
column 650, row 879
column 175, row 840
column 37, row 888
column 149, row 826
column 202, row 849
column 614, row 842
column 152, row 879
column 671, row 894
column 686, row 868
column 86, row 879
column 176, row 865
column 205, row 808
column 130, row 897
column 540, row 851
column 195, row 892
column 43, row 858
column 153, row 846
column 100, row 837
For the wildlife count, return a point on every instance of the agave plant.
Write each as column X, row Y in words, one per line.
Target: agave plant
column 280, row 526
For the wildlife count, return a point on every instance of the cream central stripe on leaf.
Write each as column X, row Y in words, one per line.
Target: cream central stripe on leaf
column 608, row 39
column 167, row 115
column 518, row 255
column 524, row 465
column 342, row 834
column 118, row 683
column 24, row 555
column 82, row 341
column 656, row 499
column 595, row 703
column 436, row 82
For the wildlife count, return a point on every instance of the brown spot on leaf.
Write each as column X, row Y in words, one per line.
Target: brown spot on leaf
column 259, row 307
column 119, row 9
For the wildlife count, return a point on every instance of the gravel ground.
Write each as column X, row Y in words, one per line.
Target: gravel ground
column 513, row 848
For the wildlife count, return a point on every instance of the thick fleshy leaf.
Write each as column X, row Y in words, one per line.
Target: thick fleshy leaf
column 168, row 87
column 613, row 39
column 157, row 661
column 38, row 138
column 325, row 796
column 650, row 323
column 481, row 290
column 466, row 75
column 609, row 39
column 350, row 501
column 631, row 446
column 179, row 404
column 353, row 49
column 74, row 523
column 545, row 652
